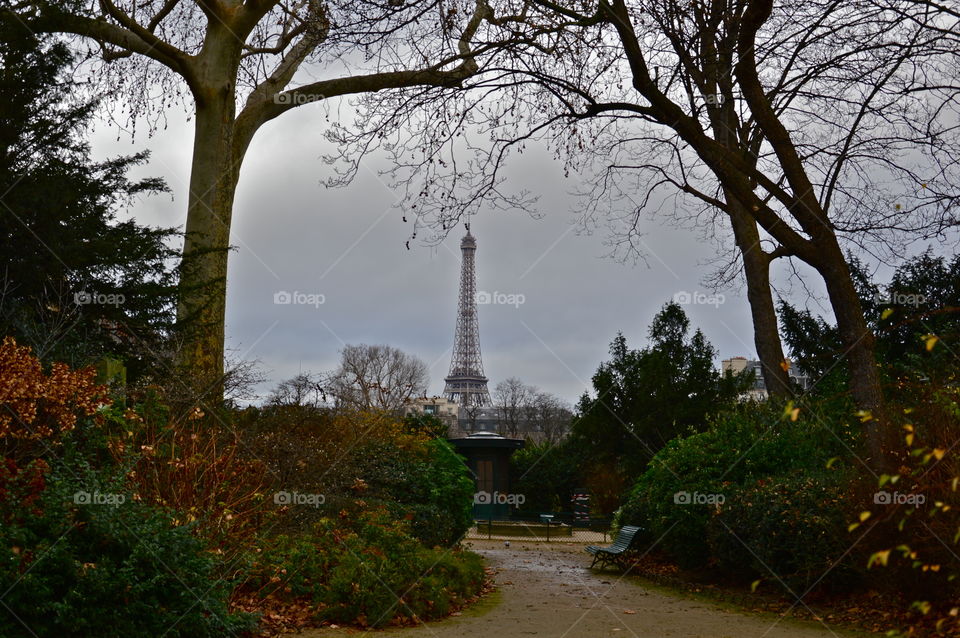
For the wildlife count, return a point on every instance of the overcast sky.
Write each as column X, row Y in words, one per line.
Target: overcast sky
column 346, row 247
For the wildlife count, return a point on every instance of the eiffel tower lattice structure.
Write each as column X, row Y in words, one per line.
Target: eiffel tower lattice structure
column 466, row 383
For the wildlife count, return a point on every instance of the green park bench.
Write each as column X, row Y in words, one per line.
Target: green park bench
column 617, row 553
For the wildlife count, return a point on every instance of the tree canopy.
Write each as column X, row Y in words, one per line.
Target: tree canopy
column 643, row 398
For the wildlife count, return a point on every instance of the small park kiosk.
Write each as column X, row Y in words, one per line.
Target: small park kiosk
column 488, row 457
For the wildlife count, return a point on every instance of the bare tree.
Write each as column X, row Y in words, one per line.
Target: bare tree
column 376, row 377
column 525, row 410
column 811, row 126
column 239, row 63
column 549, row 417
column 510, row 397
column 303, row 390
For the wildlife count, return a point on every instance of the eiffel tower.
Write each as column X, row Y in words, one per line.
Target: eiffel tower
column 466, row 383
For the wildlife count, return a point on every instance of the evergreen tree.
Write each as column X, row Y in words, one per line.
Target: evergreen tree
column 76, row 283
column 922, row 299
column 643, row 398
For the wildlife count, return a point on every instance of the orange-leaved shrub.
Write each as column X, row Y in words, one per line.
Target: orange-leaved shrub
column 37, row 408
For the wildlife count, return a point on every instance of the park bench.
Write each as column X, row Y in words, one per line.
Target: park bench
column 617, row 553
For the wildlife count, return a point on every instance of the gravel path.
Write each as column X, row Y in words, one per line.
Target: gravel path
column 547, row 590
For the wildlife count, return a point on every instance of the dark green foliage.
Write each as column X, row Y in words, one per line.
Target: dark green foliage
column 788, row 530
column 644, row 398
column 375, row 457
column 358, row 576
column 742, row 446
column 922, row 298
column 77, row 284
column 385, row 564
column 431, row 485
column 426, row 424
column 107, row 571
column 546, row 474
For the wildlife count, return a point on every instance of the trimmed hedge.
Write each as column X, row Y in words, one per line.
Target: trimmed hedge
column 790, row 530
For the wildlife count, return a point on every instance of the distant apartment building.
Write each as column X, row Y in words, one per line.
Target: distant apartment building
column 758, row 390
column 440, row 407
column 460, row 421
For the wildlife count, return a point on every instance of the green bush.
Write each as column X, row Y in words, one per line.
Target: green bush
column 447, row 489
column 123, row 569
column 789, row 530
column 427, row 483
column 370, row 576
column 749, row 443
column 387, row 575
column 393, row 464
column 546, row 474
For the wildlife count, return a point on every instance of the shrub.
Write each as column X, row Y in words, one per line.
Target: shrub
column 384, row 574
column 103, row 570
column 749, row 443
column 193, row 467
column 41, row 407
column 441, row 498
column 790, row 530
column 371, row 574
column 914, row 519
column 371, row 455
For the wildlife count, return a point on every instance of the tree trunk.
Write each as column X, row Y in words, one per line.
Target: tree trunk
column 859, row 351
column 756, row 263
column 213, row 182
column 756, row 268
column 828, row 258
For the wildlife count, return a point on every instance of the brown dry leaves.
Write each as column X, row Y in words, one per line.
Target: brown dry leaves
column 37, row 406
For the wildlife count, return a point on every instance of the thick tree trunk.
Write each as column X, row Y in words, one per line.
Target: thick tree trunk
column 756, row 269
column 756, row 263
column 214, row 175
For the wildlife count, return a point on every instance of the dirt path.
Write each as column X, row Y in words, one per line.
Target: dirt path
column 547, row 590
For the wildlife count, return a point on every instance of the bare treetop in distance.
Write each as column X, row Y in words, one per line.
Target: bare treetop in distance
column 376, row 378
column 243, row 63
column 525, row 410
column 303, row 390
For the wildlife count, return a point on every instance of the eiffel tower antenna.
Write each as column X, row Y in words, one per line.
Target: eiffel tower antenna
column 466, row 383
